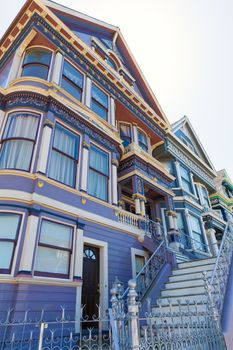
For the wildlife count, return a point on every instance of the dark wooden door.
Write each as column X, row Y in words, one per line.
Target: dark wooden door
column 90, row 289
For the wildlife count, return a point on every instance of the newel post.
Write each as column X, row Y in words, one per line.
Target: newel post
column 133, row 314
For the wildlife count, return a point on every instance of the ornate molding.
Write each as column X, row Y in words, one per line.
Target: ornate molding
column 189, row 163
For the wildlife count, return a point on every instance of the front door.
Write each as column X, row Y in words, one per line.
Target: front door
column 90, row 289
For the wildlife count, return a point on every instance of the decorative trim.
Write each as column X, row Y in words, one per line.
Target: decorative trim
column 189, row 163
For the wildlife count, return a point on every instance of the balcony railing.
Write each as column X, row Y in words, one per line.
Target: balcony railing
column 128, row 218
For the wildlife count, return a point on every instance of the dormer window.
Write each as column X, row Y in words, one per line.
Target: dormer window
column 99, row 102
column 72, row 81
column 125, row 134
column 36, row 63
column 142, row 140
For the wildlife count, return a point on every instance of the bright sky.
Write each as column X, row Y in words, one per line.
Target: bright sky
column 184, row 48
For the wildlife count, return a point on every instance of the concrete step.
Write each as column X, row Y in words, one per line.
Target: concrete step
column 199, row 262
column 189, row 276
column 199, row 298
column 198, row 290
column 192, row 269
column 179, row 308
column 184, row 284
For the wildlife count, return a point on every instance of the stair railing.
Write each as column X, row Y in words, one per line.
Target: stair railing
column 217, row 284
column 149, row 271
column 195, row 244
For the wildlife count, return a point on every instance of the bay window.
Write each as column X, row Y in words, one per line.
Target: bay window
column 64, row 156
column 18, row 141
column 53, row 256
column 185, row 179
column 72, row 81
column 197, row 232
column 125, row 134
column 10, row 224
column 36, row 63
column 99, row 102
column 98, row 173
column 142, row 140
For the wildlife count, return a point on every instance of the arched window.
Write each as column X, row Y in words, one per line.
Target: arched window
column 36, row 63
column 18, row 141
column 142, row 140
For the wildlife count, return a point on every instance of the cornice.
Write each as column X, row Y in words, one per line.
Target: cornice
column 48, row 101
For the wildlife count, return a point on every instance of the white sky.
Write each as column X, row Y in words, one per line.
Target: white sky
column 184, row 48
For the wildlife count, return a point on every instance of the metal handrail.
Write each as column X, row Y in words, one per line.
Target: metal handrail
column 219, row 254
column 193, row 239
column 141, row 272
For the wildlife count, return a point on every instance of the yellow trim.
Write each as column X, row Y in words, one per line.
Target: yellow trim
column 78, row 107
column 40, row 281
column 164, row 124
column 148, row 159
column 155, row 184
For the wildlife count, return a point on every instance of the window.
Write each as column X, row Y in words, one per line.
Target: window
column 141, row 281
column 36, row 63
column 98, row 174
column 112, row 64
column 72, row 81
column 142, row 140
column 205, row 197
column 125, row 134
column 185, row 179
column 10, row 224
column 54, row 250
column 64, row 156
column 18, row 141
column 99, row 102
column 197, row 232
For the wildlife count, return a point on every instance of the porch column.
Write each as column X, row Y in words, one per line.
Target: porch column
column 2, row 114
column 177, row 166
column 78, row 273
column 88, row 84
column 189, row 226
column 85, row 159
column 114, row 179
column 138, row 195
column 57, row 68
column 112, row 111
column 135, row 133
column 29, row 245
column 212, row 241
column 45, row 146
column 172, row 230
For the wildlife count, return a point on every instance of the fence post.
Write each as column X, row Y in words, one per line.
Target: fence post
column 43, row 325
column 133, row 311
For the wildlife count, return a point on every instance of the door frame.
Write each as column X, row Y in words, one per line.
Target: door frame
column 103, row 266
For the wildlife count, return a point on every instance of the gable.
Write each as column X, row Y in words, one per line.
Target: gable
column 183, row 129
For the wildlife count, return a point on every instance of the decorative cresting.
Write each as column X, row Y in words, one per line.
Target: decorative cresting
column 192, row 329
column 216, row 285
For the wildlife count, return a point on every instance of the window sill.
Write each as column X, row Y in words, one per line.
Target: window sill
column 40, row 281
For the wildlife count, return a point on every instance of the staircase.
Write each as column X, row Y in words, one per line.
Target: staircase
column 185, row 290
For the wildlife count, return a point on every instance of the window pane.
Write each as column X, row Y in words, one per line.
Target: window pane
column 97, row 185
column 142, row 140
column 73, row 74
column 56, row 234
column 140, row 262
column 62, row 169
column 16, row 155
column 99, row 160
column 98, row 109
column 6, row 250
column 71, row 89
column 186, row 186
column 65, row 141
column 180, row 221
column 9, row 225
column 52, row 260
column 35, row 70
column 195, row 224
column 184, row 173
column 37, row 56
column 21, row 125
column 100, row 96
